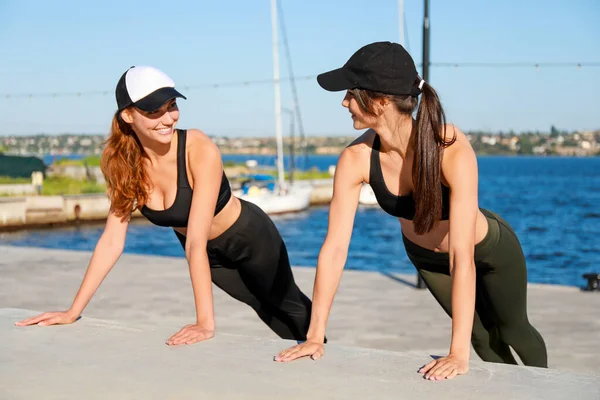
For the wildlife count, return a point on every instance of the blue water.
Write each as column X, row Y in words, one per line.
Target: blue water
column 552, row 203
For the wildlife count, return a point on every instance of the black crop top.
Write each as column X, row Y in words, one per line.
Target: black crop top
column 398, row 206
column 177, row 215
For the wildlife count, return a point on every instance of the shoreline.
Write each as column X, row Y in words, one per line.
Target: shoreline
column 29, row 212
column 300, row 155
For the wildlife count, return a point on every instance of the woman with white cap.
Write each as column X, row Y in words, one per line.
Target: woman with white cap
column 176, row 179
column 424, row 173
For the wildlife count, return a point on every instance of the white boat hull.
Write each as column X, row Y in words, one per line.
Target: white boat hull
column 295, row 199
column 367, row 197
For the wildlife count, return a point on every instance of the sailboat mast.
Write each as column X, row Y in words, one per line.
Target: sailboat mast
column 278, row 123
column 401, row 21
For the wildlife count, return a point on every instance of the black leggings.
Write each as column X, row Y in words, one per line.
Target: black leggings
column 501, row 296
column 249, row 261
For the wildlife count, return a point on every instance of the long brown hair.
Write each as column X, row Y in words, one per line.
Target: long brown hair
column 122, row 164
column 428, row 143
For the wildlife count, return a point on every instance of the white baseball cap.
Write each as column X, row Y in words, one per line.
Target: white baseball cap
column 146, row 88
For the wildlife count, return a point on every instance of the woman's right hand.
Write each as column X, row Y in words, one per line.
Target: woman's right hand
column 315, row 350
column 50, row 318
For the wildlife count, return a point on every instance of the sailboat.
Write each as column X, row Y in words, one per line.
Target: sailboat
column 283, row 197
column 367, row 196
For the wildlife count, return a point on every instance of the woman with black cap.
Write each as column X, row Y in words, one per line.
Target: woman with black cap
column 176, row 179
column 424, row 172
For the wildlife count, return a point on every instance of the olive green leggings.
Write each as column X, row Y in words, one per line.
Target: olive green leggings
column 500, row 317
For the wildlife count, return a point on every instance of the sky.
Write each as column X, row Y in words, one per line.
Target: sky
column 71, row 46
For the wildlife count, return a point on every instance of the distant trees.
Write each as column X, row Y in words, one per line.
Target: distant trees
column 525, row 145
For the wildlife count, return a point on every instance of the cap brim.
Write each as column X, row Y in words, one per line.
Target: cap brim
column 157, row 99
column 335, row 81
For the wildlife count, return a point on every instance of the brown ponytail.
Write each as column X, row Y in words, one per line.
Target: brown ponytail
column 123, row 167
column 429, row 144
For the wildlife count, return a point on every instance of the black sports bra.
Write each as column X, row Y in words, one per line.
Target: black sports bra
column 177, row 215
column 398, row 206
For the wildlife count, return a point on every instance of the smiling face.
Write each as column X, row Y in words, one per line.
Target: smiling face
column 156, row 126
column 361, row 118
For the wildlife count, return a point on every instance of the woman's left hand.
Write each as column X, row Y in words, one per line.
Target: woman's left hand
column 445, row 368
column 190, row 334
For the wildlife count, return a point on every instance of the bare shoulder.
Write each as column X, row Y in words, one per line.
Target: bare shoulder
column 459, row 141
column 460, row 153
column 360, row 147
column 355, row 157
column 200, row 145
column 363, row 142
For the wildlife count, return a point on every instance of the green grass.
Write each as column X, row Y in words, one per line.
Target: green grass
column 298, row 175
column 59, row 186
column 306, row 175
column 63, row 185
column 233, row 164
column 92, row 161
column 8, row 180
column 56, row 186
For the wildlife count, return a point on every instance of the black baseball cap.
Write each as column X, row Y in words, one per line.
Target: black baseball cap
column 146, row 88
column 383, row 67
